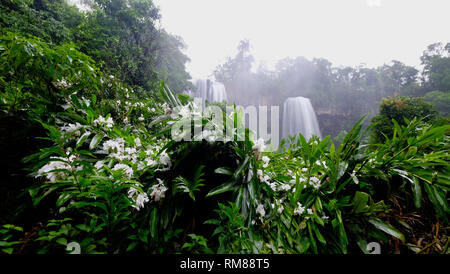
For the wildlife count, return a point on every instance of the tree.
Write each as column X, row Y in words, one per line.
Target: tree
column 399, row 109
column 440, row 100
column 436, row 71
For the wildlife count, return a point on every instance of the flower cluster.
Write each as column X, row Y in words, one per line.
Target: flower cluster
column 139, row 198
column 70, row 128
column 260, row 210
column 101, row 121
column 299, row 209
column 314, row 182
column 265, row 160
column 158, row 191
column 127, row 170
column 279, row 204
column 56, row 163
column 259, row 145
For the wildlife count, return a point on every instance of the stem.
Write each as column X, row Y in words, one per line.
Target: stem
column 426, row 247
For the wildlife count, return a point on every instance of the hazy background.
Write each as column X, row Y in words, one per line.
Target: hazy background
column 347, row 33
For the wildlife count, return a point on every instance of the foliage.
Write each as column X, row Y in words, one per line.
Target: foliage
column 47, row 19
column 399, row 109
column 436, row 62
column 124, row 37
column 119, row 188
column 440, row 100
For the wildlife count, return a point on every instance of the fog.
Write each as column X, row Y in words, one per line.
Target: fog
column 347, row 33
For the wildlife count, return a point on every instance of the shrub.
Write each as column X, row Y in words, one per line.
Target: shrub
column 399, row 109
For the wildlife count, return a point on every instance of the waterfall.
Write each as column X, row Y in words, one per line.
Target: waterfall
column 217, row 93
column 208, row 90
column 299, row 117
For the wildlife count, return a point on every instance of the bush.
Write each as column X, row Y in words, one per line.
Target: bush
column 399, row 109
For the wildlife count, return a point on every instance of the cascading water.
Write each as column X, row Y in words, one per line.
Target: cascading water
column 299, row 117
column 217, row 93
column 208, row 90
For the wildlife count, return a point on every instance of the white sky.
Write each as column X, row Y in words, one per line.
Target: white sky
column 346, row 32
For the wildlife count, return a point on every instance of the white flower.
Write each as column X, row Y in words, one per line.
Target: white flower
column 99, row 164
column 66, row 105
column 285, row 187
column 57, row 163
column 309, row 211
column 137, row 141
column 102, row 121
column 325, row 217
column 260, row 210
column 259, row 145
column 116, row 145
column 314, row 182
column 71, row 127
column 149, row 151
column 158, row 191
column 140, row 165
column 259, row 172
column 125, row 120
column 141, row 118
column 128, row 171
column 266, row 160
column 72, row 158
column 130, row 154
column 138, row 198
column 280, row 208
column 184, row 112
column 62, row 84
column 164, row 159
column 273, row 186
column 299, row 210
column 150, row 162
column 304, row 169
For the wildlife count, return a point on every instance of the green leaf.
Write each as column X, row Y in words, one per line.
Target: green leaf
column 387, row 228
column 8, row 250
column 417, row 192
column 318, row 234
column 83, row 138
column 96, row 140
column 154, row 223
column 131, row 246
column 360, row 201
column 223, row 170
column 62, row 241
column 221, row 189
column 312, row 240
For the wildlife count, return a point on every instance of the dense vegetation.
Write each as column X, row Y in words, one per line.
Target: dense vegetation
column 86, row 138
